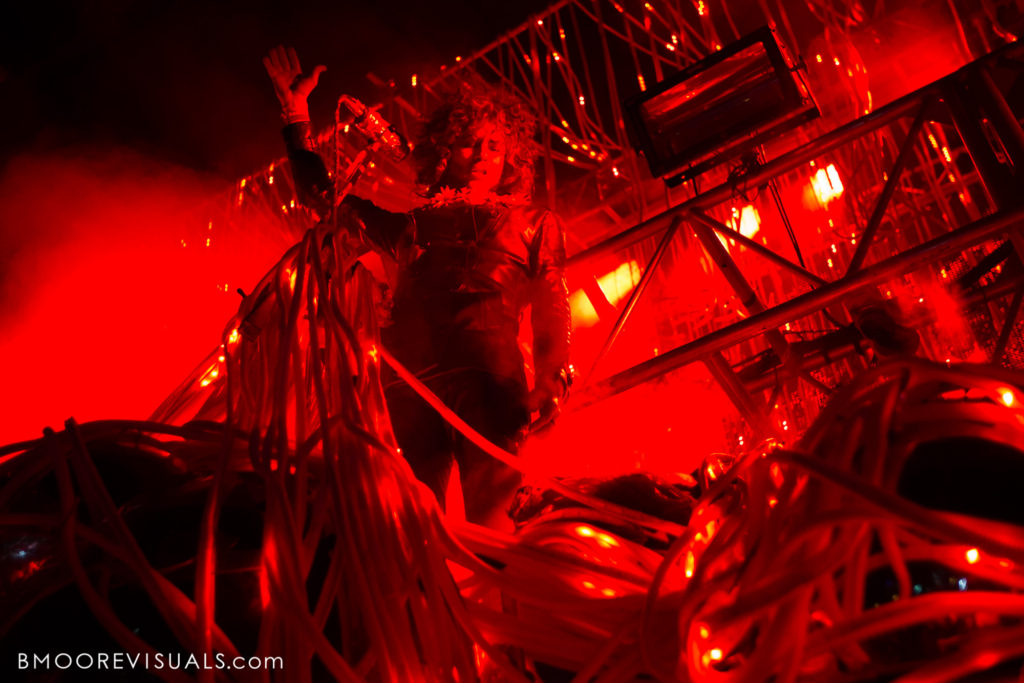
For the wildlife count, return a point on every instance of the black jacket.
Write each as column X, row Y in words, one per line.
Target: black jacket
column 466, row 273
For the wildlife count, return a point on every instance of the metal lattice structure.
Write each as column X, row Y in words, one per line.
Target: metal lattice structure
column 930, row 192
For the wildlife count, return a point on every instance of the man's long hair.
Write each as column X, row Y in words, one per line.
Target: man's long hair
column 465, row 108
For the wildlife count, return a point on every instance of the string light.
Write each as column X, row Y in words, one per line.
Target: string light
column 1006, row 396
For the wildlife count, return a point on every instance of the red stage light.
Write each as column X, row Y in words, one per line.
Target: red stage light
column 827, row 184
column 1006, row 396
column 746, row 221
column 615, row 285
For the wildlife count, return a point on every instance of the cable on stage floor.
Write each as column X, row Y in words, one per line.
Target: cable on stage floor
column 266, row 511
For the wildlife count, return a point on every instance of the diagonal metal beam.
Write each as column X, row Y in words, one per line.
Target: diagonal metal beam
column 699, row 349
column 1008, row 323
column 752, row 410
column 867, row 237
column 783, row 164
column 749, row 299
column 699, row 216
column 635, row 295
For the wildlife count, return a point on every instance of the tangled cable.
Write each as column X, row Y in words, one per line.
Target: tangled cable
column 782, row 572
column 822, row 568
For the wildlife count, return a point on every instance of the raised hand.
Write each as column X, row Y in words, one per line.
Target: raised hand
column 291, row 85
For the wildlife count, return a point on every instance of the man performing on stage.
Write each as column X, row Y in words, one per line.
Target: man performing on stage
column 470, row 260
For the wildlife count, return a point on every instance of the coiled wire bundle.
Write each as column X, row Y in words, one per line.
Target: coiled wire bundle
column 823, row 569
column 307, row 537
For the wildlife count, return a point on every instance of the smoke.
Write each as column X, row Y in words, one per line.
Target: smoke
column 104, row 305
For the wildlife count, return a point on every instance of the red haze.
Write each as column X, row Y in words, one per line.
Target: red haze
column 103, row 311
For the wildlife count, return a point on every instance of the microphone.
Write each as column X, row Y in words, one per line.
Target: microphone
column 373, row 126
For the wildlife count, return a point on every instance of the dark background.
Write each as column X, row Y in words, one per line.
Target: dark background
column 182, row 81
column 123, row 127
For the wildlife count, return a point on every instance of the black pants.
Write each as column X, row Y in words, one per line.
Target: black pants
column 494, row 405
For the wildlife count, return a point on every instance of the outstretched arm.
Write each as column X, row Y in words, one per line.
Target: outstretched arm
column 291, row 85
column 313, row 184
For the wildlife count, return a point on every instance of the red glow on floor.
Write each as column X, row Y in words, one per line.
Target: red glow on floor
column 664, row 427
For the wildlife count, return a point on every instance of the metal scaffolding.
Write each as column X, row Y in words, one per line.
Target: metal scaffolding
column 931, row 193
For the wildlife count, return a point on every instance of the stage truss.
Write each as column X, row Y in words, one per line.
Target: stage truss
column 897, row 209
